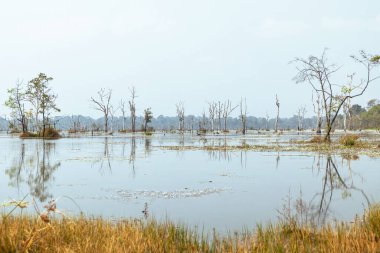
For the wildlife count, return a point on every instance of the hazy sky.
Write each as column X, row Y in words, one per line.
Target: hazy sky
column 191, row 51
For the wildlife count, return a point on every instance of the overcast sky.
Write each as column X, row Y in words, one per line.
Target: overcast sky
column 192, row 51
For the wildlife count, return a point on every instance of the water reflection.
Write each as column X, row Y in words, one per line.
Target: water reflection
column 147, row 145
column 317, row 210
column 106, row 156
column 328, row 179
column 132, row 155
column 37, row 166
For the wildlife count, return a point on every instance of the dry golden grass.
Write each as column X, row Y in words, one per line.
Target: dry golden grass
column 349, row 140
column 29, row 234
column 317, row 139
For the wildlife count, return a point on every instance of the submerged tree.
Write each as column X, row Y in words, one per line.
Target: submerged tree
column 132, row 108
column 227, row 110
column 318, row 109
column 318, row 73
column 122, row 109
column 212, row 110
column 243, row 115
column 301, row 117
column 103, row 104
column 180, row 108
column 278, row 114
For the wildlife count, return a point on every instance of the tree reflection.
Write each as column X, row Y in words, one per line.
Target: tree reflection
column 147, row 145
column 106, row 155
column 317, row 210
column 14, row 172
column 132, row 154
column 38, row 167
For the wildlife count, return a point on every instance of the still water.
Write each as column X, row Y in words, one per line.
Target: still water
column 120, row 176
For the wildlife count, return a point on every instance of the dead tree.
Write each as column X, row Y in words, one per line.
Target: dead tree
column 227, row 110
column 132, row 108
column 16, row 102
column 243, row 115
column 219, row 112
column 103, row 104
column 180, row 108
column 123, row 112
column 318, row 73
column 278, row 114
column 318, row 109
column 112, row 114
column 301, row 116
column 203, row 122
column 212, row 113
column 191, row 123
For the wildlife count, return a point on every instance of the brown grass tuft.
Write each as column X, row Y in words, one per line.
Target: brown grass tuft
column 50, row 133
column 349, row 140
column 317, row 139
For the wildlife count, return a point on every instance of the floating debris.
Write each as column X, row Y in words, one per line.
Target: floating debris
column 185, row 193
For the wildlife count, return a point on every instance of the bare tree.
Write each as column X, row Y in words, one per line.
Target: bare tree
column 203, row 122
column 243, row 114
column 180, row 108
column 123, row 112
column 219, row 112
column 301, row 116
column 191, row 126
column 318, row 73
column 318, row 109
column 227, row 110
column 278, row 114
column 212, row 112
column 132, row 108
column 15, row 102
column 267, row 121
column 347, row 104
column 103, row 104
column 112, row 114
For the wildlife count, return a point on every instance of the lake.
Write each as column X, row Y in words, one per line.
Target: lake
column 121, row 176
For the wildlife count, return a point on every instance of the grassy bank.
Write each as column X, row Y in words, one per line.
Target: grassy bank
column 345, row 145
column 26, row 233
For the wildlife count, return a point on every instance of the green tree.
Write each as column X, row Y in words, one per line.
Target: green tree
column 148, row 116
column 40, row 95
column 371, row 118
column 371, row 103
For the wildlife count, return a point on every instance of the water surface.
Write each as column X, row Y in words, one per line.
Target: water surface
column 116, row 177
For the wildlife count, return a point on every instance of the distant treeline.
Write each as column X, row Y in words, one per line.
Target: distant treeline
column 79, row 122
column 359, row 118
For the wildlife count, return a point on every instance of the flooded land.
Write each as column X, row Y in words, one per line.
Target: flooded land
column 241, row 182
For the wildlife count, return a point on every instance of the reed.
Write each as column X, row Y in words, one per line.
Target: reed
column 80, row 234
